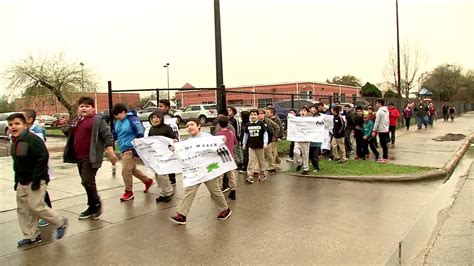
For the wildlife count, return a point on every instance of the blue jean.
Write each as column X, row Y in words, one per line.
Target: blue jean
column 420, row 121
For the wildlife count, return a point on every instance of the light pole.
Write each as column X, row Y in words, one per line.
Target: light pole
column 82, row 75
column 399, row 86
column 221, row 97
column 167, row 66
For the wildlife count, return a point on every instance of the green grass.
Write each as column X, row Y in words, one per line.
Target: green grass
column 56, row 132
column 363, row 168
column 283, row 147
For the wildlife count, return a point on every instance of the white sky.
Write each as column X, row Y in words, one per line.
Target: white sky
column 264, row 41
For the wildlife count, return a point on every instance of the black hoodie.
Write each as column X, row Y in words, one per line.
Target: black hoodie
column 162, row 129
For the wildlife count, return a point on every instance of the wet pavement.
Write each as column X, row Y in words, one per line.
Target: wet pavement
column 284, row 220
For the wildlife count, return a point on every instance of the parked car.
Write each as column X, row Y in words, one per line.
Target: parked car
column 45, row 120
column 4, row 124
column 204, row 112
column 145, row 113
column 283, row 107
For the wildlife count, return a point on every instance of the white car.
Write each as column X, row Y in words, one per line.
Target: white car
column 204, row 112
column 4, row 124
column 45, row 120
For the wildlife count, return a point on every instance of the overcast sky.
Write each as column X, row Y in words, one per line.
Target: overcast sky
column 264, row 41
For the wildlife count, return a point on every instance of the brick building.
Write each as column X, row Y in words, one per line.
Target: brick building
column 48, row 104
column 306, row 90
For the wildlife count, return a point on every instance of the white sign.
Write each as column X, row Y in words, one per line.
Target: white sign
column 204, row 159
column 306, row 128
column 157, row 153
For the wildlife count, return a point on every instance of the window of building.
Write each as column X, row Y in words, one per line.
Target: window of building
column 263, row 102
column 309, row 95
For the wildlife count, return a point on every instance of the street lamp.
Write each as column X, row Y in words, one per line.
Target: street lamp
column 82, row 75
column 167, row 66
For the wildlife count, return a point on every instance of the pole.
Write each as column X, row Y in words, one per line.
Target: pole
column 82, row 76
column 167, row 66
column 221, row 99
column 399, row 86
column 111, row 119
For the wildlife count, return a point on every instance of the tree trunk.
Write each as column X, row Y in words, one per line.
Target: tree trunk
column 56, row 91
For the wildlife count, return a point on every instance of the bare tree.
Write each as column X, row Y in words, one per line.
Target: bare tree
column 53, row 73
column 410, row 65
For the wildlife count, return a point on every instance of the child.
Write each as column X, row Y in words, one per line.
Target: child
column 452, row 111
column 30, row 163
column 30, row 116
column 338, row 136
column 381, row 128
column 245, row 116
column 315, row 147
column 359, row 133
column 393, row 115
column 371, row 114
column 128, row 127
column 159, row 128
column 273, row 132
column 88, row 135
column 256, row 139
column 301, row 150
column 193, row 126
column 368, row 140
column 292, row 113
column 230, row 142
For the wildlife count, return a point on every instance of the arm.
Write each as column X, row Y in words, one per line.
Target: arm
column 106, row 135
column 265, row 138
column 276, row 130
column 245, row 140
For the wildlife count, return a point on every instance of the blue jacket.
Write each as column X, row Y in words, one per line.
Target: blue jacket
column 127, row 130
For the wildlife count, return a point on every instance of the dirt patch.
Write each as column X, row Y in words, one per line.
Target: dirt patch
column 450, row 137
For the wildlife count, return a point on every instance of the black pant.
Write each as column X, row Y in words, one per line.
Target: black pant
column 88, row 174
column 47, row 200
column 407, row 122
column 392, row 130
column 384, row 139
column 360, row 147
column 370, row 143
column 172, row 178
column 292, row 147
column 314, row 153
column 245, row 159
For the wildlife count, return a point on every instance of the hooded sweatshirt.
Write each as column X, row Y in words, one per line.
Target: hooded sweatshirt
column 128, row 129
column 382, row 122
column 394, row 114
column 162, row 129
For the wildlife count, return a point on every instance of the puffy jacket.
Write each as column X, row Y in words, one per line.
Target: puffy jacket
column 394, row 114
column 382, row 120
column 128, row 129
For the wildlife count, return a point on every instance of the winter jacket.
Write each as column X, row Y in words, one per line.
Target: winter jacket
column 368, row 128
column 339, row 127
column 128, row 129
column 162, row 129
column 273, row 129
column 407, row 112
column 382, row 120
column 394, row 114
column 101, row 137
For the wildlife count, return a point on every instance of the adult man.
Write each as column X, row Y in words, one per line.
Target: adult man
column 164, row 106
column 381, row 127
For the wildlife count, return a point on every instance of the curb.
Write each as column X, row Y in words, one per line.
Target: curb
column 444, row 172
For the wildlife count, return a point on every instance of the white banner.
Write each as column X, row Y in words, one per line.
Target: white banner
column 204, row 159
column 157, row 153
column 306, row 128
column 168, row 121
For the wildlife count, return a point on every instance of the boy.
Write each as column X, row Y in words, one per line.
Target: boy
column 301, row 150
column 292, row 112
column 30, row 163
column 338, row 133
column 127, row 127
column 271, row 113
column 381, row 127
column 273, row 132
column 368, row 140
column 393, row 116
column 315, row 147
column 230, row 142
column 88, row 135
column 256, row 139
column 164, row 107
column 359, row 133
column 159, row 128
column 245, row 117
column 193, row 126
column 30, row 116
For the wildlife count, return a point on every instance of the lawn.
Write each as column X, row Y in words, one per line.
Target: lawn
column 52, row 131
column 363, row 168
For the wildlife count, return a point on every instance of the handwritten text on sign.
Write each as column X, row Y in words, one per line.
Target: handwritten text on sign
column 304, row 129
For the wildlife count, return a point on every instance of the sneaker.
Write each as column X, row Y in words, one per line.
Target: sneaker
column 97, row 213
column 178, row 219
column 128, row 195
column 232, row 195
column 305, row 172
column 148, row 185
column 223, row 215
column 356, row 158
column 172, row 179
column 249, row 180
column 290, row 160
column 315, row 170
column 164, row 198
column 42, row 222
column 60, row 231
column 382, row 160
column 298, row 168
column 26, row 242
column 86, row 214
column 351, row 152
column 272, row 171
column 255, row 174
column 242, row 171
column 262, row 178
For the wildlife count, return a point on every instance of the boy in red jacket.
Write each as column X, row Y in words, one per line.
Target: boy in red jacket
column 394, row 114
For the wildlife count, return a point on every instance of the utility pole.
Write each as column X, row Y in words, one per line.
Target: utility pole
column 221, row 98
column 399, row 86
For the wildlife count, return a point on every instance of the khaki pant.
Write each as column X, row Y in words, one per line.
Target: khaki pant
column 30, row 205
column 301, row 154
column 341, row 152
column 271, row 155
column 190, row 192
column 231, row 177
column 130, row 169
column 164, row 185
column 256, row 161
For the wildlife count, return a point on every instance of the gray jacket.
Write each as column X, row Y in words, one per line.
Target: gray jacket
column 101, row 137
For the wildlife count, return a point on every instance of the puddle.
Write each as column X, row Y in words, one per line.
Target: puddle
column 450, row 137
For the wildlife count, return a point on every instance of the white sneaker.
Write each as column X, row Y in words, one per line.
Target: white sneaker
column 290, row 160
column 315, row 170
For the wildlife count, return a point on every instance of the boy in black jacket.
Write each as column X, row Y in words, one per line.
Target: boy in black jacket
column 30, row 163
column 159, row 128
column 338, row 130
column 256, row 139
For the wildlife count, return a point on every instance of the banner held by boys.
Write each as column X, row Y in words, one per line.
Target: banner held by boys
column 302, row 129
column 157, row 153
